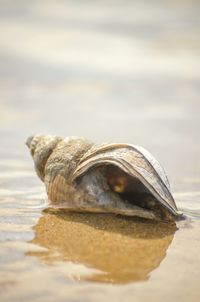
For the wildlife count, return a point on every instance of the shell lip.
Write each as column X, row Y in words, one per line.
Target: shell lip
column 104, row 147
column 173, row 210
column 169, row 203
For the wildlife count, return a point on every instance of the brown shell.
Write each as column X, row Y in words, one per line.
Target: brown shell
column 72, row 171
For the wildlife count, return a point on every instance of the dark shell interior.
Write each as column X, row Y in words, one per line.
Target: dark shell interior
column 134, row 191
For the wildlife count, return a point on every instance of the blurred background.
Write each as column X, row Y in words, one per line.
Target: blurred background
column 124, row 71
column 111, row 71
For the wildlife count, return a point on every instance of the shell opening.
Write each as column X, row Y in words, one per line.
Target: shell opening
column 133, row 190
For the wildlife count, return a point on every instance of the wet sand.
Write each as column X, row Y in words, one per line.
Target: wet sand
column 112, row 72
column 121, row 249
column 97, row 256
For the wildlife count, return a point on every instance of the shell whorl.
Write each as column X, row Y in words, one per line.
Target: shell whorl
column 54, row 155
column 41, row 147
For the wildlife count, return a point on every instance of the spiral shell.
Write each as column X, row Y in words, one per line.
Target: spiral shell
column 118, row 178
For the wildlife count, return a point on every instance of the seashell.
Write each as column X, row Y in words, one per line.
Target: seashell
column 109, row 178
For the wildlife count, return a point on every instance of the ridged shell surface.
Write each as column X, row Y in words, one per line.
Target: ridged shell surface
column 74, row 175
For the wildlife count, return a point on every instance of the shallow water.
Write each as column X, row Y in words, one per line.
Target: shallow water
column 110, row 71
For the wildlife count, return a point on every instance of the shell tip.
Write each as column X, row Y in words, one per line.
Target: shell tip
column 29, row 140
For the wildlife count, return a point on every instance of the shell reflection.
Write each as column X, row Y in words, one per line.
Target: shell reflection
column 121, row 250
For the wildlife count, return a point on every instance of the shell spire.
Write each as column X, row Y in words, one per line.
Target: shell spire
column 41, row 147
